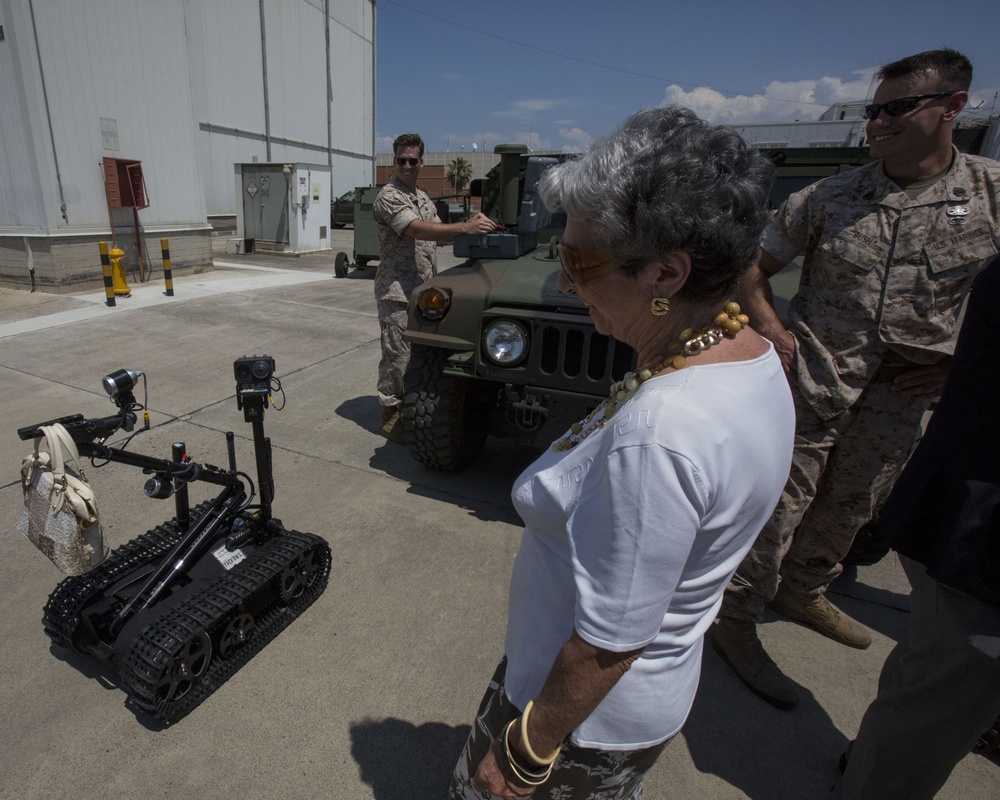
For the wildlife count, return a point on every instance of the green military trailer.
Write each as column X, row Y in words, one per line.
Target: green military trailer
column 365, row 233
column 498, row 349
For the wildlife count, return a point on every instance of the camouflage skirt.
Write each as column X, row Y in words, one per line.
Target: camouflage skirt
column 580, row 773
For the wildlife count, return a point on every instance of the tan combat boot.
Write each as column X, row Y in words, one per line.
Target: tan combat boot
column 821, row 615
column 737, row 644
column 392, row 425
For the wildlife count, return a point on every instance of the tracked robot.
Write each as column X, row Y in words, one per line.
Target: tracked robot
column 178, row 610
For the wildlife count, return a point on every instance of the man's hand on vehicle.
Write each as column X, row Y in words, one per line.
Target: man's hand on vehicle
column 480, row 224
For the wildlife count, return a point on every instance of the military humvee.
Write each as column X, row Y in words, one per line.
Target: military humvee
column 498, row 350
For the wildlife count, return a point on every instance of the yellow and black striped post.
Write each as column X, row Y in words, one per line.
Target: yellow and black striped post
column 165, row 253
column 109, row 289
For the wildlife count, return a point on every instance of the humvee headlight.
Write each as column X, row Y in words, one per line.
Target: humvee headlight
column 505, row 342
column 433, row 303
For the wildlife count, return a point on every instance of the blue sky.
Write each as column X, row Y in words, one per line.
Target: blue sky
column 556, row 74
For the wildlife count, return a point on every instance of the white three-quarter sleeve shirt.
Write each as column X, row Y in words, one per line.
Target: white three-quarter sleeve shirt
column 632, row 536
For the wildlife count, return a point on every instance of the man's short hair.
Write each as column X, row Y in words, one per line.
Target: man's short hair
column 953, row 70
column 408, row 140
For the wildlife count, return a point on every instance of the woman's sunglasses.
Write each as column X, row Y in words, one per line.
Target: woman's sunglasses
column 580, row 265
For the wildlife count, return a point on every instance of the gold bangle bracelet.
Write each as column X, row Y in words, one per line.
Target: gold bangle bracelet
column 526, row 744
column 530, row 777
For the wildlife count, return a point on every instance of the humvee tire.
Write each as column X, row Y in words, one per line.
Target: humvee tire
column 445, row 417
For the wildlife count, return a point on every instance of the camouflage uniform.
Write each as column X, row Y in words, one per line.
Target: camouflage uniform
column 404, row 263
column 882, row 283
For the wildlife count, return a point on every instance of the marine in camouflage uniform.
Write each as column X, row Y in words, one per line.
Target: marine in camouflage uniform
column 883, row 279
column 890, row 252
column 408, row 232
column 404, row 263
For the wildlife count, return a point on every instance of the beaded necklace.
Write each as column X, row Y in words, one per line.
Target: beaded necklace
column 724, row 325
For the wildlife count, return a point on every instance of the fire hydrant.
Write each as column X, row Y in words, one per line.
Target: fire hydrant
column 118, row 273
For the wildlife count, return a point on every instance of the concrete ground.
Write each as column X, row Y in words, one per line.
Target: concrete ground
column 370, row 693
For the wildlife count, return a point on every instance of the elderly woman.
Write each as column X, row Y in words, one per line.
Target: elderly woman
column 637, row 517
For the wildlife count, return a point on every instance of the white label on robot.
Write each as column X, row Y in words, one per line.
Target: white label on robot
column 229, row 558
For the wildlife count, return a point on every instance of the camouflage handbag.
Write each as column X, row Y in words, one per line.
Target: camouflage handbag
column 60, row 513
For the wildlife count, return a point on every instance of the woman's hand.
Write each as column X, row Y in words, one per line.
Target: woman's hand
column 581, row 676
column 496, row 777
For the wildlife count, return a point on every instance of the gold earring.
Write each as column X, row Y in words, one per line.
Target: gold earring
column 659, row 306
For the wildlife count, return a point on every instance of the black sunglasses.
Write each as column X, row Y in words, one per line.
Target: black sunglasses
column 402, row 162
column 901, row 105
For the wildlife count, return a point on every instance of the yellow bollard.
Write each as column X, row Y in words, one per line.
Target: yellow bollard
column 109, row 291
column 118, row 274
column 167, row 276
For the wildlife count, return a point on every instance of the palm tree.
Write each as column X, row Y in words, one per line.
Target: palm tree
column 459, row 173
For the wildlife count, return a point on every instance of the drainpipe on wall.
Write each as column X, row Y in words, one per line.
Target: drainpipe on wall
column 48, row 117
column 267, row 107
column 329, row 90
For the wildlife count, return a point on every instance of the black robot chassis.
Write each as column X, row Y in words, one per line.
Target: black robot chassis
column 177, row 611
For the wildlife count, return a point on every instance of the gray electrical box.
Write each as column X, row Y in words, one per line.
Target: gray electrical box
column 284, row 207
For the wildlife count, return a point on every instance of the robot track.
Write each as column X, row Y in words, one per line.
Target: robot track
column 61, row 616
column 178, row 660
column 170, row 658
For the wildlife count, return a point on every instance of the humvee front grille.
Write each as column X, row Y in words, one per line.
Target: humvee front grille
column 585, row 357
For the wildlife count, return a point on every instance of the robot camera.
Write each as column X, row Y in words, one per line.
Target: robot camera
column 254, row 372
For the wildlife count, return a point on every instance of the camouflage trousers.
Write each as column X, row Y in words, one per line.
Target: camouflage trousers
column 842, row 471
column 395, row 352
column 579, row 774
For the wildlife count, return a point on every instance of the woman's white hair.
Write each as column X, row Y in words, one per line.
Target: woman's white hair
column 666, row 182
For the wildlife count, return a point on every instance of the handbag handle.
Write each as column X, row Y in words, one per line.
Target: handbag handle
column 57, row 438
column 69, row 450
column 67, row 488
column 54, row 448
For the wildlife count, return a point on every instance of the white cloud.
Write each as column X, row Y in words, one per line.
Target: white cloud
column 576, row 140
column 780, row 101
column 533, row 140
column 523, row 109
column 538, row 104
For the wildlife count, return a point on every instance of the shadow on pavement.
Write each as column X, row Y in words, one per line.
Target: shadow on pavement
column 483, row 488
column 105, row 676
column 403, row 761
column 764, row 752
column 364, row 411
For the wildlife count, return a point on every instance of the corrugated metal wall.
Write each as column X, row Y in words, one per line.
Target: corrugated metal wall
column 114, row 61
column 226, row 49
column 181, row 84
column 20, row 182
